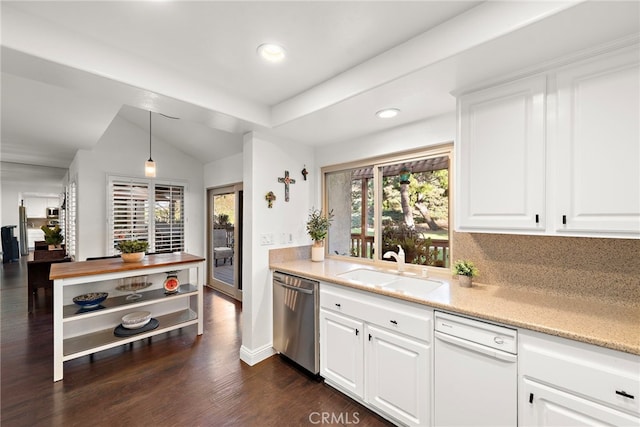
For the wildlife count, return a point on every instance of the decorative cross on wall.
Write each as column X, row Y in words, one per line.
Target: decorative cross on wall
column 286, row 180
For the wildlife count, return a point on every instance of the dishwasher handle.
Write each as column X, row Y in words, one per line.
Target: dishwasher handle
column 478, row 348
column 294, row 288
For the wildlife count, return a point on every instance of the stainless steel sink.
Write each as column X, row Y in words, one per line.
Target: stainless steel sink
column 393, row 282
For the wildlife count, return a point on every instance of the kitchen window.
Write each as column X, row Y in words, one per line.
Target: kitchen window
column 131, row 204
column 401, row 199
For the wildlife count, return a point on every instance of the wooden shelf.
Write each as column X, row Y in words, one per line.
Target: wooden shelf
column 101, row 340
column 73, row 312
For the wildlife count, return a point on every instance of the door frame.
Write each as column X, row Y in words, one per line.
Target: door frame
column 235, row 290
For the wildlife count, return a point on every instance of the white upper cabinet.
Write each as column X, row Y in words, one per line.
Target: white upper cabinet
column 554, row 154
column 36, row 207
column 500, row 155
column 598, row 147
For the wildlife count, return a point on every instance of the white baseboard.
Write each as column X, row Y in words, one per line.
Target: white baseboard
column 251, row 357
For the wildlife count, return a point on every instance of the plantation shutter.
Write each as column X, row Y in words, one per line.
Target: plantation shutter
column 70, row 218
column 169, row 218
column 129, row 211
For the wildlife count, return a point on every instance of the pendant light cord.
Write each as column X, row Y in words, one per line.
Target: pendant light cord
column 150, row 136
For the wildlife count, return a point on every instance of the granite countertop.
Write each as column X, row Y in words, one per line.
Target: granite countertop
column 588, row 320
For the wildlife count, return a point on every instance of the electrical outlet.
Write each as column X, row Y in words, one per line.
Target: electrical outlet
column 266, row 239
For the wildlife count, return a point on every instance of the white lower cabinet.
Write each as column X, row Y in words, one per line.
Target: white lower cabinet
column 345, row 367
column 397, row 375
column 548, row 406
column 569, row 383
column 378, row 351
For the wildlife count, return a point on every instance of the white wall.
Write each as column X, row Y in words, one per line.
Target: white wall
column 122, row 151
column 265, row 160
column 223, row 172
column 433, row 131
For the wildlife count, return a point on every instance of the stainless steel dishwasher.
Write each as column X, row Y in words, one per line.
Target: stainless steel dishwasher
column 476, row 373
column 295, row 320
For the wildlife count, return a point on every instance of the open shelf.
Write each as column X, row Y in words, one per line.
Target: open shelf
column 74, row 312
column 79, row 332
column 83, row 345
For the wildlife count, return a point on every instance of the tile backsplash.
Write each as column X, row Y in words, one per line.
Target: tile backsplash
column 606, row 269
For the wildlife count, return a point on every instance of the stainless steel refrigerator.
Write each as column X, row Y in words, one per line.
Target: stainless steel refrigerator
column 22, row 232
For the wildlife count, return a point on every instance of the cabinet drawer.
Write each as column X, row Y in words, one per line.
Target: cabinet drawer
column 601, row 374
column 397, row 315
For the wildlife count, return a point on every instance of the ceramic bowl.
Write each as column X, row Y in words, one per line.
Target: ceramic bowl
column 136, row 319
column 90, row 300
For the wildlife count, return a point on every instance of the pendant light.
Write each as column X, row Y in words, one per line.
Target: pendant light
column 150, row 165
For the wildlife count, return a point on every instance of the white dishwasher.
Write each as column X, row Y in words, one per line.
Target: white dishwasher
column 476, row 373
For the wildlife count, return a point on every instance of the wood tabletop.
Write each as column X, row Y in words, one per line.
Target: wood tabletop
column 113, row 265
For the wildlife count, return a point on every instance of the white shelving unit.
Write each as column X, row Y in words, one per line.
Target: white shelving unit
column 79, row 332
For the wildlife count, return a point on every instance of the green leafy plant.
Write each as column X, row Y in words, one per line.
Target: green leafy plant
column 417, row 249
column 132, row 246
column 463, row 267
column 53, row 236
column 318, row 224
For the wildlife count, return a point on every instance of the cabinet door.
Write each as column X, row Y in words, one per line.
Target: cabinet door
column 36, row 207
column 53, row 202
column 500, row 158
column 545, row 406
column 341, row 352
column 598, row 140
column 398, row 376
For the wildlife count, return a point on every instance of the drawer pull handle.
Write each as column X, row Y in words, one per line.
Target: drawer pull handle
column 530, row 397
column 370, row 336
column 357, row 332
column 393, row 321
column 337, row 305
column 625, row 394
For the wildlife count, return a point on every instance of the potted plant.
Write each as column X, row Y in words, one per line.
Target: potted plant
column 466, row 271
column 318, row 227
column 132, row 250
column 53, row 236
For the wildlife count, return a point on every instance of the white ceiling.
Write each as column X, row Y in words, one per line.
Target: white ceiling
column 68, row 68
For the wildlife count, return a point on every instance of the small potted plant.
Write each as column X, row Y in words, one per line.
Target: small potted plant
column 132, row 250
column 318, row 227
column 466, row 271
column 53, row 236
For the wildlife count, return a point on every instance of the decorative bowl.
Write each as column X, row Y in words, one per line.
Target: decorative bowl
column 90, row 300
column 136, row 319
column 133, row 257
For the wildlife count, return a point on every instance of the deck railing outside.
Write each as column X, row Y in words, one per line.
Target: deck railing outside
column 364, row 248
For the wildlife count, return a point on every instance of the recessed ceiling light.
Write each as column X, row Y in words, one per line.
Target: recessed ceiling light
column 387, row 113
column 271, row 52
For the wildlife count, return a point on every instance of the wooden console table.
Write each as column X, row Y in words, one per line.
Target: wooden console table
column 49, row 254
column 78, row 332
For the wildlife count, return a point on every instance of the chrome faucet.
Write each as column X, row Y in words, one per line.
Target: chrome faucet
column 399, row 257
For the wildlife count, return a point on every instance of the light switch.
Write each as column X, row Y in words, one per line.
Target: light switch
column 266, row 239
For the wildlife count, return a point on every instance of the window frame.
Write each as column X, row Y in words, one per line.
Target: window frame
column 150, row 206
column 376, row 163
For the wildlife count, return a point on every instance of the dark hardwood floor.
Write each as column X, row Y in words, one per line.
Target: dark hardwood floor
column 177, row 379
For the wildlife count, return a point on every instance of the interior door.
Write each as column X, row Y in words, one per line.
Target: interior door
column 224, row 239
